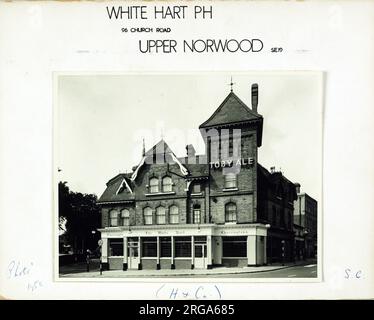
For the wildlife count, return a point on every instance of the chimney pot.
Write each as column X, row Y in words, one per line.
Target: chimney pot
column 254, row 96
column 190, row 150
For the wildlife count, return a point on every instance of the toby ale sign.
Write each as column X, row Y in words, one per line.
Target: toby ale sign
column 230, row 163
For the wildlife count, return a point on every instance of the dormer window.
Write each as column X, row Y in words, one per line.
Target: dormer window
column 153, row 185
column 167, row 184
column 196, row 188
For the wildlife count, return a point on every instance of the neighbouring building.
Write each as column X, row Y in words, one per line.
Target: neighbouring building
column 199, row 211
column 305, row 225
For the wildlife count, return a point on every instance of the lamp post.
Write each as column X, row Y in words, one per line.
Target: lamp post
column 305, row 243
column 100, row 243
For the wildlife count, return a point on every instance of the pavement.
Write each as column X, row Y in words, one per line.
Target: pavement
column 307, row 268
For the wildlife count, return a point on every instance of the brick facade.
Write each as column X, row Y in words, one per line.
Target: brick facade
column 213, row 189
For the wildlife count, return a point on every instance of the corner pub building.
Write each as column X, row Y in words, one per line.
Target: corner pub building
column 199, row 211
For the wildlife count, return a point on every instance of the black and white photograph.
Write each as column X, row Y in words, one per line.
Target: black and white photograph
column 206, row 175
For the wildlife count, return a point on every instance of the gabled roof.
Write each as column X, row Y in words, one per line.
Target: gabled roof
column 160, row 147
column 231, row 110
column 113, row 190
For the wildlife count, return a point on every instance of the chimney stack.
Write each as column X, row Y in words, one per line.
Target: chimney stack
column 190, row 150
column 297, row 186
column 254, row 97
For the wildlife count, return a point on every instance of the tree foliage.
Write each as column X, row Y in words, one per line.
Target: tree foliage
column 82, row 216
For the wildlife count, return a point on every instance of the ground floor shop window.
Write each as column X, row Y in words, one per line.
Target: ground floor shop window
column 149, row 247
column 182, row 247
column 115, row 247
column 165, row 246
column 234, row 246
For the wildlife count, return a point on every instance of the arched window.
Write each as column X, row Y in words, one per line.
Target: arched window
column 125, row 217
column 230, row 212
column 160, row 215
column 113, row 218
column 166, row 184
column 147, row 212
column 196, row 214
column 173, row 215
column 153, row 185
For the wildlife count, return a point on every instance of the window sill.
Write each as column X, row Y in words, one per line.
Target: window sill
column 159, row 194
column 197, row 194
column 229, row 189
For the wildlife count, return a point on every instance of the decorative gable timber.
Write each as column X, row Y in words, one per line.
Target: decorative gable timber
column 124, row 183
column 156, row 149
column 135, row 174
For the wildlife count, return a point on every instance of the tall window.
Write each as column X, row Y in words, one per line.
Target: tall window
column 149, row 247
column 196, row 214
column 166, row 184
column 115, row 247
column 153, row 185
column 230, row 180
column 113, row 218
column 160, row 215
column 230, row 212
column 165, row 247
column 147, row 215
column 173, row 215
column 125, row 217
column 182, row 247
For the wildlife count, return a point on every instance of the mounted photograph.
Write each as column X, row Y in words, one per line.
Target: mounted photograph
column 206, row 175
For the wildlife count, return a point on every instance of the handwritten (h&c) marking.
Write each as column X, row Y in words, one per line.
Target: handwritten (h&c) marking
column 200, row 292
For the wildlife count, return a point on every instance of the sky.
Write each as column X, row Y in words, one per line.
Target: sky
column 102, row 119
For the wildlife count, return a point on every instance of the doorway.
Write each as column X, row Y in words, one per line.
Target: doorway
column 200, row 256
column 133, row 255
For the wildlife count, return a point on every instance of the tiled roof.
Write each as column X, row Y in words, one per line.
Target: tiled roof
column 197, row 170
column 110, row 193
column 231, row 110
column 159, row 148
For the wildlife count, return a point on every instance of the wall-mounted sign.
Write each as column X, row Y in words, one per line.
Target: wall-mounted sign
column 232, row 163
